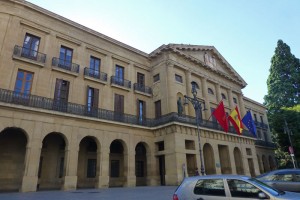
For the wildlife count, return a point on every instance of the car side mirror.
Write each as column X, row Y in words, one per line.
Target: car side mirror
column 262, row 195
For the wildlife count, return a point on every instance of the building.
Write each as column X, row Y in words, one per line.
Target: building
column 79, row 109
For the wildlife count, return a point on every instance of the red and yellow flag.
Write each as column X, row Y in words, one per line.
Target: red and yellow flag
column 235, row 120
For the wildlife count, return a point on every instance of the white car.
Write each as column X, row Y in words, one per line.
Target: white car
column 229, row 187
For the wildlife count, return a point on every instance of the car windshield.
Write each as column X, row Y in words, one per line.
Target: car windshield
column 268, row 188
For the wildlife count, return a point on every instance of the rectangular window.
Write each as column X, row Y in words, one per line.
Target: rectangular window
column 141, row 110
column 23, row 82
column 114, row 168
column 94, row 70
column 156, row 78
column 178, row 78
column 158, row 109
column 261, row 119
column 255, row 117
column 30, row 46
column 61, row 95
column 91, row 168
column 92, row 99
column 242, row 189
column 65, row 58
column 119, row 75
column 140, row 79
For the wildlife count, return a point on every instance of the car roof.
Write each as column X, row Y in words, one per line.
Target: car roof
column 228, row 176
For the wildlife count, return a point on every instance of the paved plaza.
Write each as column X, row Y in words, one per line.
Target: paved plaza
column 135, row 193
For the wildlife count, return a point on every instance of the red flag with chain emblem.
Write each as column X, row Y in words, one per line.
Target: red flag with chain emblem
column 220, row 115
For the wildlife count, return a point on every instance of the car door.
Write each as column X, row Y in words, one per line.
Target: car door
column 209, row 189
column 242, row 190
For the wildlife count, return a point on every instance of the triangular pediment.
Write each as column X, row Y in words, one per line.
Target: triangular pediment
column 207, row 56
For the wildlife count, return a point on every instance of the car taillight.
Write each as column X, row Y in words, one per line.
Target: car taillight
column 175, row 197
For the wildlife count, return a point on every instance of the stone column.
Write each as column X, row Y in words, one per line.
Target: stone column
column 131, row 178
column 71, row 160
column 230, row 99
column 32, row 159
column 205, row 96
column 188, row 74
column 218, row 92
column 103, row 163
column 107, row 92
column 242, row 105
column 172, row 101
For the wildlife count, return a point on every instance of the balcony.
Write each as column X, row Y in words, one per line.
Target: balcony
column 261, row 125
column 101, row 76
column 142, row 88
column 265, row 144
column 39, row 102
column 120, row 82
column 65, row 65
column 21, row 52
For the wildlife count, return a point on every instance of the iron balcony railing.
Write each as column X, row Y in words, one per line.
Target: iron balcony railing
column 34, row 101
column 29, row 54
column 120, row 81
column 65, row 64
column 265, row 143
column 142, row 88
column 95, row 74
column 261, row 125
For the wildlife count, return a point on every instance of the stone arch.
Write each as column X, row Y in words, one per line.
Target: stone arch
column 209, row 159
column 238, row 161
column 272, row 163
column 141, row 163
column 88, row 162
column 52, row 161
column 118, row 163
column 13, row 142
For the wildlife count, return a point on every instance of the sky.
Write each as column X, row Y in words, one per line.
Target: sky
column 244, row 32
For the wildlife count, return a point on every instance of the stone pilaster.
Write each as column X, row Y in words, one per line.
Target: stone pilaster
column 230, row 99
column 205, row 96
column 190, row 107
column 103, row 175
column 172, row 101
column 242, row 105
column 131, row 178
column 218, row 92
column 71, row 160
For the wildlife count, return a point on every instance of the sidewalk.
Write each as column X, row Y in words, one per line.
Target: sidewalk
column 134, row 193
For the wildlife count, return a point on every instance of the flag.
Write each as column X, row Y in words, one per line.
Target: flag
column 249, row 123
column 235, row 120
column 220, row 115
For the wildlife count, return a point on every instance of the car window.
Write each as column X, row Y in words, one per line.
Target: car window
column 239, row 188
column 285, row 177
column 213, row 187
column 297, row 177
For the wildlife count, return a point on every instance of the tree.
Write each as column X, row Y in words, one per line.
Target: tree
column 282, row 99
column 284, row 79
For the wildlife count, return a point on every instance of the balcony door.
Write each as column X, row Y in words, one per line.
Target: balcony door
column 119, row 74
column 94, row 67
column 65, row 58
column 61, row 95
column 119, row 107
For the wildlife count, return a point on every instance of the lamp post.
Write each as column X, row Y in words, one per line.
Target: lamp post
column 198, row 108
column 291, row 148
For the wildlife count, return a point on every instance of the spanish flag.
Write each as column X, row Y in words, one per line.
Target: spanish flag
column 235, row 120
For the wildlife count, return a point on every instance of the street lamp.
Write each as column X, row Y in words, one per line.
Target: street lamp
column 198, row 108
column 291, row 148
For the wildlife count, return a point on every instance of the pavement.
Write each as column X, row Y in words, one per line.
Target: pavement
column 134, row 193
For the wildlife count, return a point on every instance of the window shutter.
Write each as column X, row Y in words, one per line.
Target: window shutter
column 96, row 98
column 144, row 109
column 138, row 108
column 121, row 104
column 58, row 85
column 87, row 96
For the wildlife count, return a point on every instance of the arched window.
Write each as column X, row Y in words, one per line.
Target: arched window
column 210, row 91
column 194, row 84
column 234, row 100
column 223, row 96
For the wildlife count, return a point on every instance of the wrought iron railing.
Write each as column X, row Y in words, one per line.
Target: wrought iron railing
column 65, row 64
column 142, row 88
column 261, row 125
column 265, row 143
column 29, row 54
column 34, row 101
column 95, row 74
column 120, row 81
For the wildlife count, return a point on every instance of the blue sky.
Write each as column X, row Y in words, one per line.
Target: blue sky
column 244, row 32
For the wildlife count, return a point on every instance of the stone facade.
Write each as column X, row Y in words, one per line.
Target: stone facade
column 79, row 109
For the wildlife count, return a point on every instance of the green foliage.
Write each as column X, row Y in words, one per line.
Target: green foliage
column 283, row 101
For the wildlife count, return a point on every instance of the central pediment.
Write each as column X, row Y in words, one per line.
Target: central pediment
column 207, row 56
